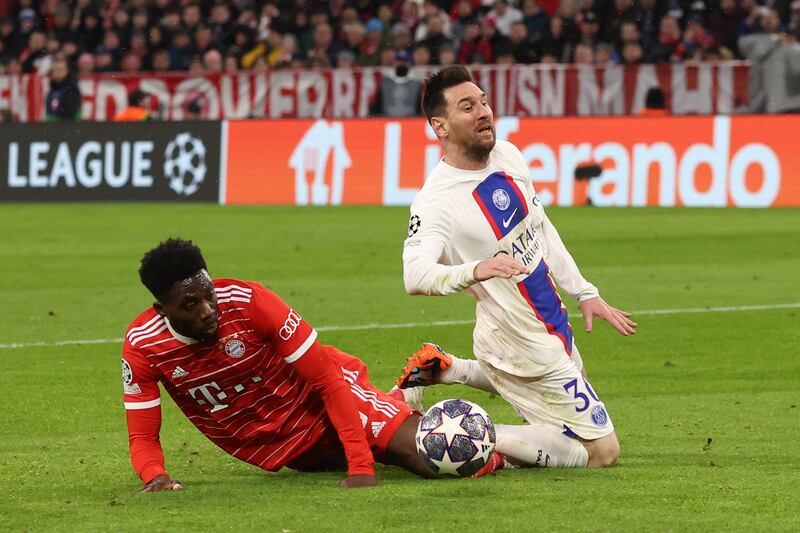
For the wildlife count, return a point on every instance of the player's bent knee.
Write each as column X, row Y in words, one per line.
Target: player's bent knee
column 603, row 452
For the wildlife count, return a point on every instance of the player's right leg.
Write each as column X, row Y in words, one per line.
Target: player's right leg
column 431, row 365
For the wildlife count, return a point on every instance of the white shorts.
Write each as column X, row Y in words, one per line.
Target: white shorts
column 562, row 398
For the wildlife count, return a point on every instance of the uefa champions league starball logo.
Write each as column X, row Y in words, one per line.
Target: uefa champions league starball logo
column 127, row 373
column 500, row 199
column 185, row 164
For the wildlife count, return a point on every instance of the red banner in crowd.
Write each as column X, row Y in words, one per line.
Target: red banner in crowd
column 520, row 90
column 740, row 161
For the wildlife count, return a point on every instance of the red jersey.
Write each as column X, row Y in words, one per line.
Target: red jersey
column 264, row 392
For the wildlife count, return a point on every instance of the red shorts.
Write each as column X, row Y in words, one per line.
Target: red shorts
column 381, row 416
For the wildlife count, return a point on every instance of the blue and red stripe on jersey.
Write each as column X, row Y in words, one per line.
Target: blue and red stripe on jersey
column 504, row 217
column 540, row 293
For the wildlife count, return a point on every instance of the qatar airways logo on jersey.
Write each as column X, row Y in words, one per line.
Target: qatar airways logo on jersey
column 525, row 247
column 290, row 325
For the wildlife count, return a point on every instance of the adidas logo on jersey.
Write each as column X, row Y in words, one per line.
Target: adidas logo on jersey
column 179, row 373
column 377, row 427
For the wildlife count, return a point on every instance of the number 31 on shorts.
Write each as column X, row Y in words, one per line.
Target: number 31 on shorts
column 571, row 386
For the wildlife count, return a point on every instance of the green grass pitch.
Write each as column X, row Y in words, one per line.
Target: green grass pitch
column 705, row 403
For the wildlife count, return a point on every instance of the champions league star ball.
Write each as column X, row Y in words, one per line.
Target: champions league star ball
column 455, row 437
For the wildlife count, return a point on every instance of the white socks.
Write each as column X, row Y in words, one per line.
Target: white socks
column 467, row 372
column 540, row 445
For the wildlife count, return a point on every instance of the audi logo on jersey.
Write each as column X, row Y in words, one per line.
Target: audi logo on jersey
column 290, row 325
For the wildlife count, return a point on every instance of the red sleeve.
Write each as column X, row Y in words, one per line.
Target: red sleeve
column 143, row 411
column 316, row 367
column 295, row 341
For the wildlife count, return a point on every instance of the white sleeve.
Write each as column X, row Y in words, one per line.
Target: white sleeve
column 429, row 233
column 563, row 266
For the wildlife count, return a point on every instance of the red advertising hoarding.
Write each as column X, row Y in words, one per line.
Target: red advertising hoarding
column 741, row 161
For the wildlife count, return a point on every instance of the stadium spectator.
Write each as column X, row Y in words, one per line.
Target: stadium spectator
column 447, row 55
column 647, row 20
column 27, row 23
column 63, row 102
column 435, row 38
column 323, row 43
column 182, row 50
column 421, row 56
column 505, row 16
column 399, row 93
column 555, row 43
column 589, row 28
column 85, row 64
column 104, row 60
column 523, row 48
column 212, row 61
column 36, row 58
column 584, row 54
column 90, row 29
column 400, row 38
column 131, row 63
column 669, row 37
column 160, row 60
column 535, row 19
column 373, row 44
column 724, row 23
column 774, row 68
column 463, row 14
column 137, row 110
column 353, row 37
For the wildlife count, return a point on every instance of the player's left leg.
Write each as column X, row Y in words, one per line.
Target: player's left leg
column 603, row 451
column 402, row 450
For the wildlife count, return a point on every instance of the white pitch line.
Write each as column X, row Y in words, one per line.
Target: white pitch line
column 727, row 309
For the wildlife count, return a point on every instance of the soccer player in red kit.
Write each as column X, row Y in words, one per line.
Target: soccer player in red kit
column 249, row 373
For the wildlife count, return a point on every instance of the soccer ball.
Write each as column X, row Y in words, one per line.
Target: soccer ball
column 455, row 437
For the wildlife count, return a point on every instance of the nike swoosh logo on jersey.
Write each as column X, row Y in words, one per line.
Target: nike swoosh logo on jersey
column 507, row 221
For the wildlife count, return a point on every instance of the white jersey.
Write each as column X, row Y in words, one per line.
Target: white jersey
column 461, row 217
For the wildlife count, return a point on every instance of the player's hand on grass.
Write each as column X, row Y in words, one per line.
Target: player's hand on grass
column 162, row 482
column 358, row 481
column 597, row 307
column 499, row 266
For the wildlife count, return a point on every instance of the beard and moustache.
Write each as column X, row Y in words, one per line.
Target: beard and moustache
column 479, row 151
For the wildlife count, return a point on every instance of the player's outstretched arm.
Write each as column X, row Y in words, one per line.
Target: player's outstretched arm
column 317, row 368
column 162, row 482
column 597, row 307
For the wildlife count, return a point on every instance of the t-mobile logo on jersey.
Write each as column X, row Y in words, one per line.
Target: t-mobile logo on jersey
column 212, row 393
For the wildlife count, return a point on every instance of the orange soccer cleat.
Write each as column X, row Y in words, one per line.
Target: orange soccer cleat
column 424, row 367
column 496, row 462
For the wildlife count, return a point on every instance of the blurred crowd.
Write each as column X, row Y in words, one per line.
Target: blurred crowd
column 229, row 35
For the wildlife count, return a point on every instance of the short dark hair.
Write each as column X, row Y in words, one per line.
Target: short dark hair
column 655, row 99
column 171, row 261
column 136, row 98
column 433, row 102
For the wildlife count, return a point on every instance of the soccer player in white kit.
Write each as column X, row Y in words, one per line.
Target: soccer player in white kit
column 478, row 226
